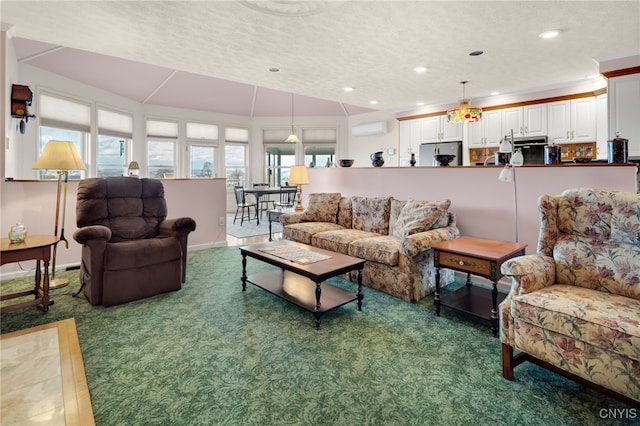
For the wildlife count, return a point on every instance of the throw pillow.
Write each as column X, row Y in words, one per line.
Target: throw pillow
column 371, row 214
column 419, row 216
column 322, row 207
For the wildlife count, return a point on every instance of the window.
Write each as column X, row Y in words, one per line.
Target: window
column 278, row 162
column 162, row 138
column 202, row 139
column 235, row 156
column 64, row 120
column 114, row 141
column 319, row 147
column 201, row 161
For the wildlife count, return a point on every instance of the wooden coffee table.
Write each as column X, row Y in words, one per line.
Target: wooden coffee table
column 301, row 283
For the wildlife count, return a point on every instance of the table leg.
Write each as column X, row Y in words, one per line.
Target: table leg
column 316, row 311
column 494, row 309
column 469, row 283
column 244, row 272
column 258, row 197
column 270, row 237
column 359, row 295
column 436, row 299
column 45, row 285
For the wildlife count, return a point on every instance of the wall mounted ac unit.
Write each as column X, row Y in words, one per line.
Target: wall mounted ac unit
column 369, row 129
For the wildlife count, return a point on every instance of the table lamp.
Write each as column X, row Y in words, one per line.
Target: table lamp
column 61, row 156
column 298, row 176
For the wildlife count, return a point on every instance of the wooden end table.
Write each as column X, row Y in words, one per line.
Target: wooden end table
column 274, row 216
column 477, row 256
column 36, row 247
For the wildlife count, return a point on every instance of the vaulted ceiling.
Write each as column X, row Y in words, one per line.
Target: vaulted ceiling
column 219, row 55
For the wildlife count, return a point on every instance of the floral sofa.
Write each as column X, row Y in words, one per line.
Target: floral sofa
column 393, row 236
column 575, row 306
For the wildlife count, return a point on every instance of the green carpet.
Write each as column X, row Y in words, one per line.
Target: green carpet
column 211, row 354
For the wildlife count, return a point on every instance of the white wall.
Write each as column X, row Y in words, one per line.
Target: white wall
column 360, row 148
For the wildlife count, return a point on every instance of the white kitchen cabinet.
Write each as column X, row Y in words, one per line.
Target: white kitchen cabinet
column 602, row 126
column 487, row 131
column 624, row 105
column 530, row 120
column 438, row 129
column 572, row 120
column 409, row 141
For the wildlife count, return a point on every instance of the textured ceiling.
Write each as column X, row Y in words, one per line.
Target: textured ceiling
column 216, row 55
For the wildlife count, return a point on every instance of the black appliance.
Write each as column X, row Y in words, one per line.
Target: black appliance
column 532, row 147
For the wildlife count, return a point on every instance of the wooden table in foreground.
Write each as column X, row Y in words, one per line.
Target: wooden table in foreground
column 36, row 247
column 480, row 257
column 303, row 284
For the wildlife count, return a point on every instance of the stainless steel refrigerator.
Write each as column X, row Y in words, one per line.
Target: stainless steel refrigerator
column 429, row 150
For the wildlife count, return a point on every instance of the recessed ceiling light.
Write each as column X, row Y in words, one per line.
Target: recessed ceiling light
column 348, row 89
column 420, row 104
column 420, row 70
column 495, row 93
column 549, row 34
column 476, row 53
column 373, row 102
column 274, row 69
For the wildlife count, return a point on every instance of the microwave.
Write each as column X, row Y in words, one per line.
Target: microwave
column 532, row 148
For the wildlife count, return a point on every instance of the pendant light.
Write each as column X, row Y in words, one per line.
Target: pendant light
column 292, row 137
column 464, row 113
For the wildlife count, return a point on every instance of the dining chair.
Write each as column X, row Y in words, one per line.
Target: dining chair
column 265, row 200
column 243, row 205
column 287, row 197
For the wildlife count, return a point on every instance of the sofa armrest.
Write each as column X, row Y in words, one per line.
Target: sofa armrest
column 92, row 232
column 413, row 244
column 178, row 226
column 291, row 218
column 529, row 273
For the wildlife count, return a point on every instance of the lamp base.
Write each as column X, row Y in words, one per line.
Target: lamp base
column 58, row 283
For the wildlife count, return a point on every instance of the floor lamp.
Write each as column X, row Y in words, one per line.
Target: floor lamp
column 298, row 176
column 61, row 156
column 508, row 173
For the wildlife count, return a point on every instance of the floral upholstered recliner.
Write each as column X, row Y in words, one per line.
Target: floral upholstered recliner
column 575, row 306
column 393, row 236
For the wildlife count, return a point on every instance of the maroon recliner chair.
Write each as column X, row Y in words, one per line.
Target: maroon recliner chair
column 129, row 249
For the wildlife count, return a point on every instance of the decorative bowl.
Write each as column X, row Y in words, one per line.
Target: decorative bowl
column 582, row 160
column 444, row 159
column 345, row 163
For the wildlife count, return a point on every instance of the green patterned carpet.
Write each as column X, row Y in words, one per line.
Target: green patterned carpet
column 211, row 354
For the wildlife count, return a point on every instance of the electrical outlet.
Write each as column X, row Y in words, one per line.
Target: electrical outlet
column 221, row 221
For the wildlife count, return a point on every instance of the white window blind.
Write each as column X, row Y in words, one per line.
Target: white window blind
column 115, row 124
column 202, row 131
column 64, row 113
column 236, row 134
column 162, row 129
column 275, row 135
column 319, row 135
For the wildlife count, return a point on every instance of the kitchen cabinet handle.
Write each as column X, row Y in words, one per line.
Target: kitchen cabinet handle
column 567, row 134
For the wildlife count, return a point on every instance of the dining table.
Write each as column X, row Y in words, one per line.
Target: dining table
column 263, row 191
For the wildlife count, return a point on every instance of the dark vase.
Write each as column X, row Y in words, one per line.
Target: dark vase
column 412, row 161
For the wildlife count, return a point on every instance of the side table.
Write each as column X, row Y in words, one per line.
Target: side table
column 274, row 216
column 36, row 247
column 477, row 256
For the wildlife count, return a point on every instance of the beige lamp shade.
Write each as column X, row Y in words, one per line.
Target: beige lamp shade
column 298, row 175
column 59, row 155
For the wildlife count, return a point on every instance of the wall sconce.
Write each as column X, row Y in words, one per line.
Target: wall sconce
column 134, row 169
column 21, row 98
